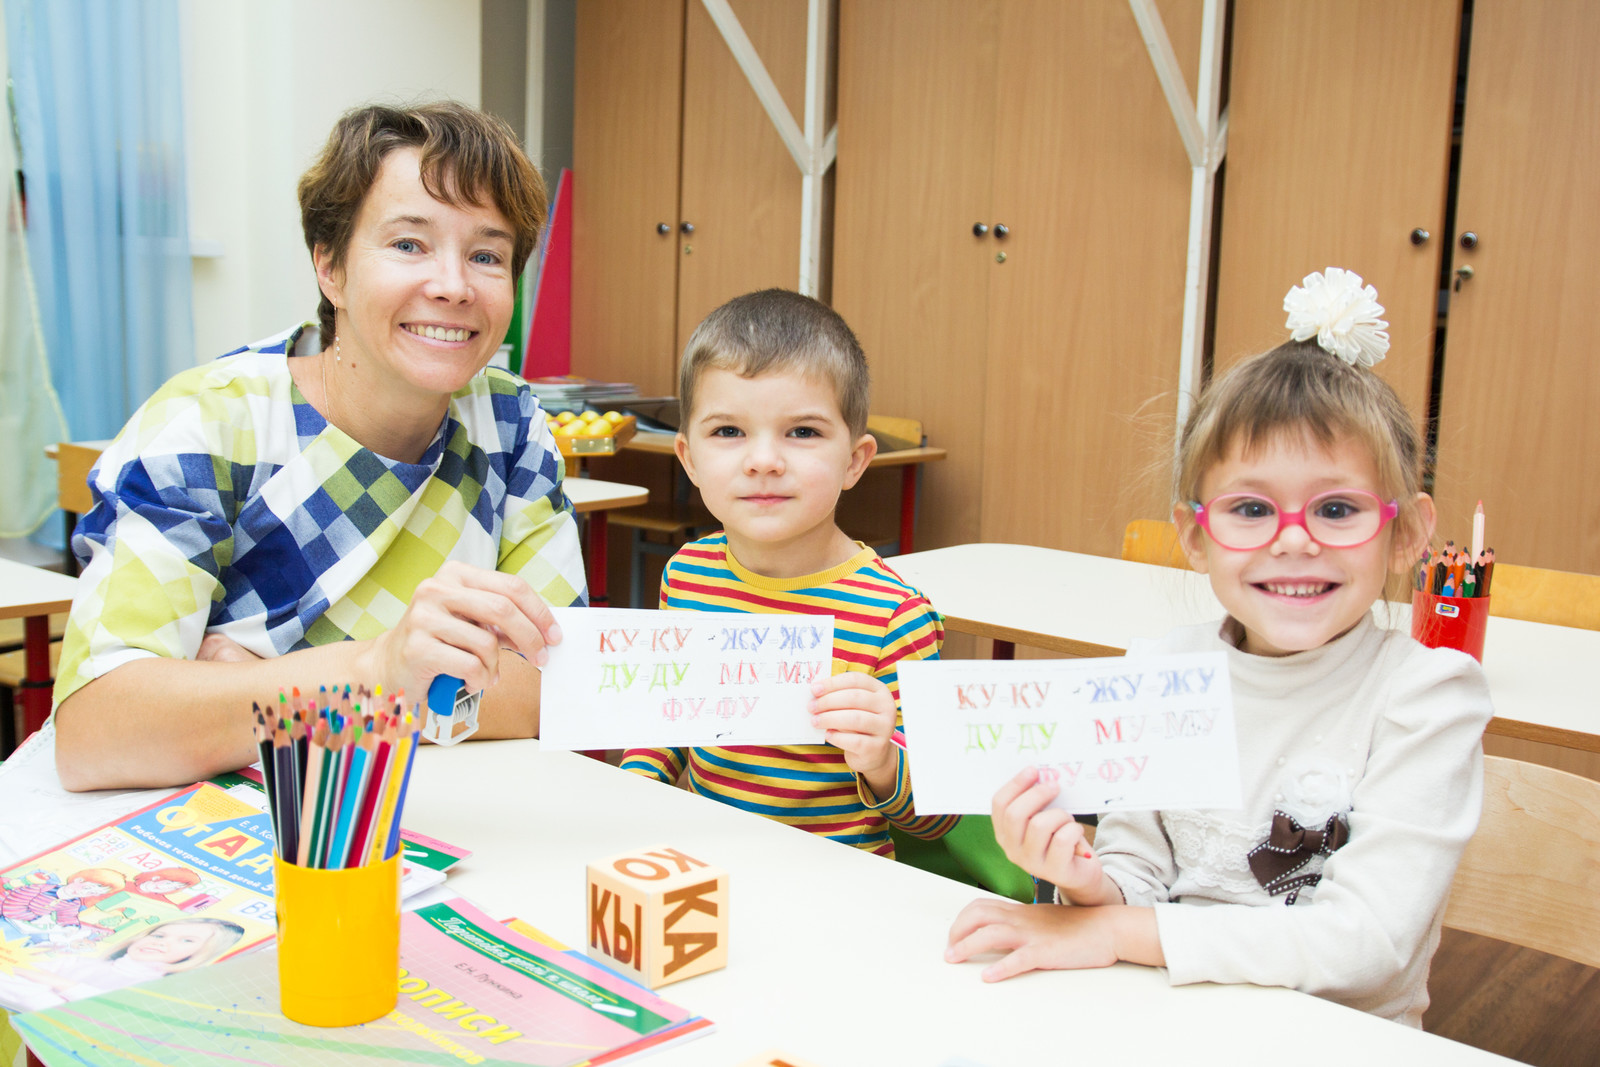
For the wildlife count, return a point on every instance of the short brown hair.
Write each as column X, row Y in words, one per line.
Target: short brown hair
column 466, row 155
column 776, row 329
column 1298, row 388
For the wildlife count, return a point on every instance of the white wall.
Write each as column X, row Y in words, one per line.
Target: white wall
column 264, row 81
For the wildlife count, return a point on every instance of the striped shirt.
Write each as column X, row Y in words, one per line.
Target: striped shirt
column 879, row 620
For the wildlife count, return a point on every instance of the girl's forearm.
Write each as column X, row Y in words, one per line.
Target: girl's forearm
column 1136, row 936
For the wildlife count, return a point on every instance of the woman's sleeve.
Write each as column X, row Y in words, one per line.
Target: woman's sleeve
column 154, row 545
column 539, row 537
column 1412, row 813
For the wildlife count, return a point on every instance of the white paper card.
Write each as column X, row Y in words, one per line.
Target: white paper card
column 1124, row 734
column 624, row 678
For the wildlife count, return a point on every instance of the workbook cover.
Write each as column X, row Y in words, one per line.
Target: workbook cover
column 471, row 991
column 169, row 888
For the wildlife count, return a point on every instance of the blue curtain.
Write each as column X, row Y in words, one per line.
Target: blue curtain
column 99, row 110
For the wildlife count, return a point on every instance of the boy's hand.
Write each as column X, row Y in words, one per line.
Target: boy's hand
column 858, row 712
column 1032, row 937
column 1047, row 842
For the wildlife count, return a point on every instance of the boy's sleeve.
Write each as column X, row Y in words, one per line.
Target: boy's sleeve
column 539, row 536
column 152, row 547
column 662, row 764
column 915, row 631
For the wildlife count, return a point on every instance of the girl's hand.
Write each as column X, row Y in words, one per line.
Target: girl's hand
column 457, row 623
column 1032, row 937
column 221, row 649
column 1046, row 842
column 857, row 710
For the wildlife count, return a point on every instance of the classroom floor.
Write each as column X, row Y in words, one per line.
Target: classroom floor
column 1533, row 1007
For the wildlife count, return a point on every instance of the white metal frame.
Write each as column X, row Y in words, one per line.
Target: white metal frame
column 1205, row 139
column 813, row 150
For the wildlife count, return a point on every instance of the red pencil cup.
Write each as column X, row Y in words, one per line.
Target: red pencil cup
column 1450, row 621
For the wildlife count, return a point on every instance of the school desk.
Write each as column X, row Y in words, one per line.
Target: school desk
column 33, row 594
column 909, row 460
column 1083, row 605
column 592, row 498
column 834, row 956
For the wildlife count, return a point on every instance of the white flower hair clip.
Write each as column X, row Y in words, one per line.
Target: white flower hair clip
column 1342, row 314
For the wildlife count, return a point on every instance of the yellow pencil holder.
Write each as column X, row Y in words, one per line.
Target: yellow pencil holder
column 338, row 942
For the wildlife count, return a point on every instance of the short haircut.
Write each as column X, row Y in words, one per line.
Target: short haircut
column 772, row 330
column 1300, row 389
column 467, row 155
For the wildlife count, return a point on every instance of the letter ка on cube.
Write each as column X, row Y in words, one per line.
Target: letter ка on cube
column 659, row 914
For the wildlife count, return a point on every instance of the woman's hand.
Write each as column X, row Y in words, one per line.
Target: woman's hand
column 857, row 711
column 457, row 623
column 1047, row 842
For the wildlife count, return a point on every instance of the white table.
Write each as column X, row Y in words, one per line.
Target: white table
column 1083, row 605
column 33, row 595
column 835, row 956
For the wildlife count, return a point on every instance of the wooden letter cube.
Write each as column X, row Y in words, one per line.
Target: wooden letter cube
column 658, row 914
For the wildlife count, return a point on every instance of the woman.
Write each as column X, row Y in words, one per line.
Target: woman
column 349, row 504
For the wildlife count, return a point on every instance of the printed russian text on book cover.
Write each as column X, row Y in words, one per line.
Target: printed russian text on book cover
column 171, row 887
column 471, row 991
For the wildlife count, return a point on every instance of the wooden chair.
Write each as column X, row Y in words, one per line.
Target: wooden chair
column 1562, row 598
column 1153, row 541
column 1529, row 875
column 679, row 522
column 13, row 668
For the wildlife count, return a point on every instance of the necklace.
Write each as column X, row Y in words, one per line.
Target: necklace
column 327, row 397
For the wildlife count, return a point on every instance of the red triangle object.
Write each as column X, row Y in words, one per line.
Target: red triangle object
column 549, row 349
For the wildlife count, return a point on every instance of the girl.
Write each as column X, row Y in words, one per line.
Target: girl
column 1298, row 489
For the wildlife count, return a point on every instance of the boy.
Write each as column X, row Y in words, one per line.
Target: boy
column 772, row 395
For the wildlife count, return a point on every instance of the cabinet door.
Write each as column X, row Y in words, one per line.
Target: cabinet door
column 627, row 102
column 916, row 130
column 1339, row 115
column 1086, row 314
column 1521, row 380
column 741, row 188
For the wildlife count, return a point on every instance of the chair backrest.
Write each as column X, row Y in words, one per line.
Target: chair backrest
column 1153, row 541
column 895, row 433
column 1538, row 595
column 1530, row 874
column 73, row 463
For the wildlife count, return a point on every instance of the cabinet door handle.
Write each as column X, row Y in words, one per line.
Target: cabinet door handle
column 1000, row 231
column 979, row 229
column 686, row 227
column 1463, row 274
column 663, row 229
column 1419, row 236
column 1469, row 240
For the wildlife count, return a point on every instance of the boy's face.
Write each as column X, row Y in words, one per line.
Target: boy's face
column 771, row 455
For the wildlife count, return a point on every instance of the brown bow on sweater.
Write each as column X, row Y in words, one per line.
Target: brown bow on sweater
column 1289, row 847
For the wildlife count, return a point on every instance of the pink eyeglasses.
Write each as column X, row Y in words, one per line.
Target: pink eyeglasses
column 1339, row 518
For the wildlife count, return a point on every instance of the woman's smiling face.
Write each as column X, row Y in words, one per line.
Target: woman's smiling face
column 425, row 290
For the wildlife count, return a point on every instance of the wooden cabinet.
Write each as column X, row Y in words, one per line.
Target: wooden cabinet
column 1521, row 383
column 668, row 135
column 1045, row 361
column 1339, row 120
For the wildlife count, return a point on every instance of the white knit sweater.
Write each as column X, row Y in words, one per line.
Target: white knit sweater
column 1372, row 724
